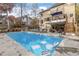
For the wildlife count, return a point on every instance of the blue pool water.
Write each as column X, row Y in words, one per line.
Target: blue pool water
column 36, row 43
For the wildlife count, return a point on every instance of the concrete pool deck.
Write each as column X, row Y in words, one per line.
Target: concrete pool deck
column 68, row 48
column 9, row 47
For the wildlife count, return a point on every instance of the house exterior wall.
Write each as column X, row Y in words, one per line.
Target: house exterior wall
column 77, row 16
column 68, row 10
column 70, row 25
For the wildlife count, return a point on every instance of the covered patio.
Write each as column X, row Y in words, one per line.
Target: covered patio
column 57, row 25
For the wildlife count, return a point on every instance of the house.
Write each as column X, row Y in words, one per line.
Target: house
column 60, row 17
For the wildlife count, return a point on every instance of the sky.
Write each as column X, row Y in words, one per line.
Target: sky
column 16, row 10
column 45, row 5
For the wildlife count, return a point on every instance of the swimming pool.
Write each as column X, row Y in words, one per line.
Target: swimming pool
column 36, row 43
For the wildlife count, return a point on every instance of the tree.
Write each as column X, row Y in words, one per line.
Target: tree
column 34, row 9
column 34, row 23
column 12, row 20
column 6, row 8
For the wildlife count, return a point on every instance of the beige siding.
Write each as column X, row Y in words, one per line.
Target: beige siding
column 67, row 10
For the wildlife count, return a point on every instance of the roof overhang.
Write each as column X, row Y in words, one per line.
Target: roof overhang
column 57, row 13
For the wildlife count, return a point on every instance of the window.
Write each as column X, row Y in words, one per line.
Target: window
column 47, row 19
column 64, row 16
column 41, row 21
column 71, row 15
